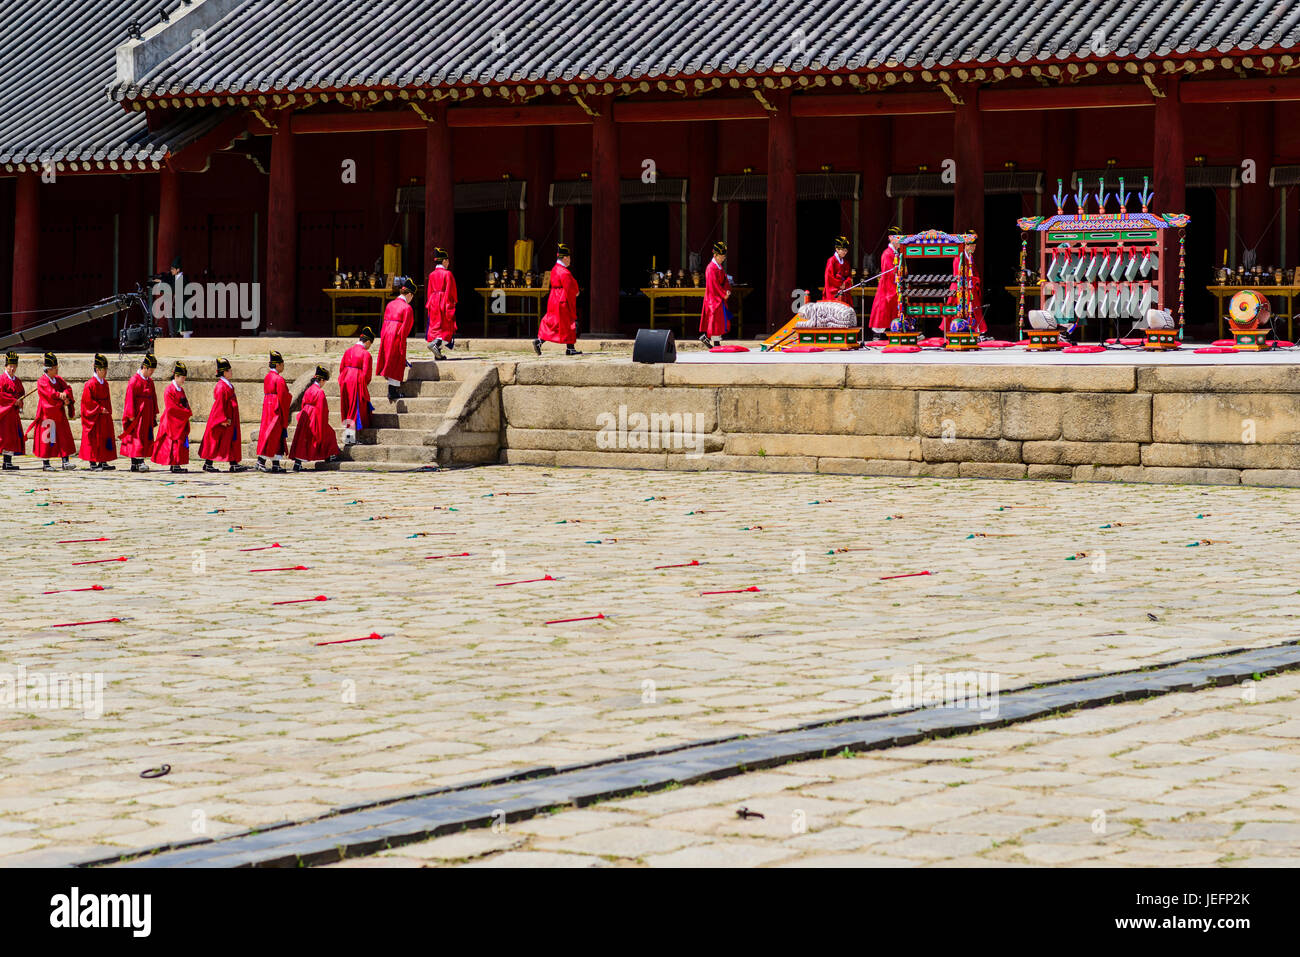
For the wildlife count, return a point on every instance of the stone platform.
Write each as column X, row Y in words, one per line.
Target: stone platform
column 1217, row 424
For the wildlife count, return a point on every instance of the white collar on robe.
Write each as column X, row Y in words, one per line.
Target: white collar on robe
column 222, row 378
column 98, row 379
column 440, row 266
column 839, row 258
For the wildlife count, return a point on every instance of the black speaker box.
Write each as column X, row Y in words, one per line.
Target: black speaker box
column 654, row 345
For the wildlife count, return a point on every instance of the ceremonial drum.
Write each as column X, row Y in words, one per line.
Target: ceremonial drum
column 829, row 324
column 1248, row 314
column 1248, row 310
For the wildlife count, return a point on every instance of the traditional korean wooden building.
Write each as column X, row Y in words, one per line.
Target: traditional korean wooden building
column 264, row 140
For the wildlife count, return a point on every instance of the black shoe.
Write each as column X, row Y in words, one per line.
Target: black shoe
column 707, row 343
column 47, row 467
column 69, row 466
column 139, row 466
column 297, row 466
column 436, row 348
column 9, row 467
column 394, row 393
column 236, row 467
column 277, row 470
column 209, row 467
column 177, row 469
column 570, row 351
column 105, row 467
column 451, row 344
column 537, row 346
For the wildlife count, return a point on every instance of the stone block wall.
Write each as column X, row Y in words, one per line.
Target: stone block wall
column 1205, row 425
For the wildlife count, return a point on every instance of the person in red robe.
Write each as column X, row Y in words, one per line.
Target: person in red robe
column 440, row 306
column 97, row 446
column 560, row 324
column 221, row 438
column 53, row 434
column 399, row 319
column 140, row 415
column 884, row 307
column 273, row 434
column 717, row 290
column 974, row 292
column 12, row 440
column 172, row 444
column 838, row 273
column 314, row 439
column 354, row 384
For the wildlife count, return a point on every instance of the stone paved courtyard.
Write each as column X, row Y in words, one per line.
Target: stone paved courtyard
column 260, row 724
column 1188, row 780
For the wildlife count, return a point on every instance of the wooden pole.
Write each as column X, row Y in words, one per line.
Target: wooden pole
column 968, row 151
column 1169, row 166
column 27, row 237
column 603, row 315
column 282, row 234
column 169, row 218
column 439, row 197
column 875, row 152
column 782, row 239
column 540, row 145
column 701, row 211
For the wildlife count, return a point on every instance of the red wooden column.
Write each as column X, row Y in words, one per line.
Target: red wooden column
column 27, row 238
column 539, row 141
column 1169, row 166
column 168, row 244
column 605, row 200
column 781, row 235
column 439, row 197
column 1256, row 222
column 968, row 152
column 701, row 212
column 875, row 154
column 282, row 234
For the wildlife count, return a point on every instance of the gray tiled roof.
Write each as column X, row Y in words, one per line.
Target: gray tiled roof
column 263, row 45
column 57, row 57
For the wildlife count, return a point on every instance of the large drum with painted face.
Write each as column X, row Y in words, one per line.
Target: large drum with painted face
column 1248, row 310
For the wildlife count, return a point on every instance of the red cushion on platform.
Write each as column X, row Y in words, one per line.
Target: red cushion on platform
column 996, row 344
column 1216, row 350
column 934, row 342
column 1280, row 344
column 1126, row 342
column 1077, row 349
column 1224, row 342
column 901, row 349
column 730, row 349
column 876, row 343
column 802, row 349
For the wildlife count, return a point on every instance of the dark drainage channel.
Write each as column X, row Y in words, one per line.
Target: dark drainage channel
column 362, row 831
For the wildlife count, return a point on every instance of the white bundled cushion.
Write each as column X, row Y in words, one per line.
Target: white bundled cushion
column 1160, row 319
column 1041, row 319
column 827, row 314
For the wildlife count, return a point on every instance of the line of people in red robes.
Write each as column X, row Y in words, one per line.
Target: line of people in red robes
column 165, row 439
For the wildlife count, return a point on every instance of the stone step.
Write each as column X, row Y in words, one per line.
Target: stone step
column 418, row 388
column 405, row 422
column 390, row 437
column 424, row 406
column 415, row 454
